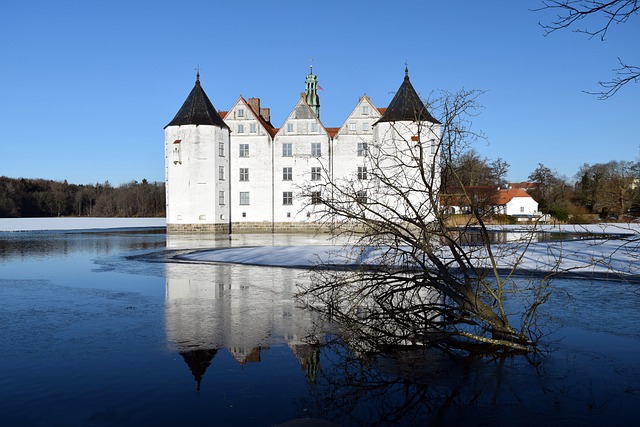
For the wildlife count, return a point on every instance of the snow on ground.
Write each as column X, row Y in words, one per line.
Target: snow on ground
column 581, row 256
column 63, row 223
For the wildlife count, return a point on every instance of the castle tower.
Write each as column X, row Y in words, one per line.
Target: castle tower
column 406, row 140
column 311, row 92
column 197, row 166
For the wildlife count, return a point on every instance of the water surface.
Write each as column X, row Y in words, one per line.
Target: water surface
column 97, row 331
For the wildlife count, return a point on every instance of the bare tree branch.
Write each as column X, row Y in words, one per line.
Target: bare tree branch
column 606, row 14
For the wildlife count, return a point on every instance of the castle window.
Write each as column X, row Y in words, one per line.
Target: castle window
column 352, row 127
column 362, row 149
column 290, row 127
column 287, row 149
column 316, row 198
column 287, row 198
column 244, row 197
column 221, row 197
column 177, row 152
column 315, row 174
column 221, row 173
column 314, row 127
column 365, row 110
column 287, row 174
column 244, row 174
column 244, row 150
column 316, row 150
column 366, row 127
column 361, row 196
column 253, row 128
column 241, row 128
column 362, row 172
column 240, row 112
column 221, row 149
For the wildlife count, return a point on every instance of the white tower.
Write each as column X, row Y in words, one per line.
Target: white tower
column 197, row 167
column 406, row 153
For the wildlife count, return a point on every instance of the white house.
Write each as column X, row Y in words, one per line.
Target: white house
column 516, row 202
column 234, row 171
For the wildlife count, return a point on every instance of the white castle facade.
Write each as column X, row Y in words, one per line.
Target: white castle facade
column 235, row 172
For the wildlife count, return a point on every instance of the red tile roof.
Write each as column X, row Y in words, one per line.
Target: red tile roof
column 504, row 196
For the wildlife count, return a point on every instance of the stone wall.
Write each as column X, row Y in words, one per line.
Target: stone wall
column 250, row 227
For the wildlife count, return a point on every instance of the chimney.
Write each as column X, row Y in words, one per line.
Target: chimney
column 266, row 114
column 254, row 103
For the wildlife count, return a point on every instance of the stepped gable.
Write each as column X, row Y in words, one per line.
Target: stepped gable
column 406, row 105
column 197, row 110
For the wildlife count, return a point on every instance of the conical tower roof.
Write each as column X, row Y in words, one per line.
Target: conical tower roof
column 198, row 362
column 197, row 110
column 406, row 105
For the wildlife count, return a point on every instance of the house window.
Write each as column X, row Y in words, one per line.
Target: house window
column 287, row 174
column 362, row 172
column 366, row 127
column 221, row 173
column 362, row 149
column 361, row 196
column 316, row 150
column 253, row 128
column 244, row 197
column 315, row 174
column 221, row 197
column 316, row 198
column 244, row 174
column 289, row 127
column 314, row 127
column 352, row 127
column 287, row 149
column 287, row 198
column 365, row 110
column 240, row 128
column 244, row 150
column 240, row 112
column 221, row 149
column 521, row 209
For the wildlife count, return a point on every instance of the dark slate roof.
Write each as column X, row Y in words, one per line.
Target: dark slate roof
column 406, row 105
column 197, row 110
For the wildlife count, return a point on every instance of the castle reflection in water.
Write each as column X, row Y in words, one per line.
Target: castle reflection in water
column 241, row 309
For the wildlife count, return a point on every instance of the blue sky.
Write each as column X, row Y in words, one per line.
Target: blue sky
column 86, row 87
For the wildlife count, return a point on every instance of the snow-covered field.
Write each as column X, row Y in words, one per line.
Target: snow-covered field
column 42, row 224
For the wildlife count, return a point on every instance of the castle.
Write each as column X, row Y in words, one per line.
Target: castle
column 234, row 171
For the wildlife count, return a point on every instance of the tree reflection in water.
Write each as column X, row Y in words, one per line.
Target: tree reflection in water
column 247, row 311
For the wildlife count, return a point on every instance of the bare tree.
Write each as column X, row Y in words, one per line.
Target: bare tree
column 570, row 13
column 419, row 281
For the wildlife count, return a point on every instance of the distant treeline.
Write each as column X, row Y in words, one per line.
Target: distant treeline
column 45, row 198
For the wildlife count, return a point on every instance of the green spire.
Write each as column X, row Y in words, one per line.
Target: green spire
column 311, row 90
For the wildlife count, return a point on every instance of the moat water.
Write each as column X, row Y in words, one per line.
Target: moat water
column 95, row 330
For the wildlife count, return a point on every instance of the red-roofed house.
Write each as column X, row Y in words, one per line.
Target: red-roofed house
column 515, row 202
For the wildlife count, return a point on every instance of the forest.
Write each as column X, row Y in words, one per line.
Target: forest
column 23, row 197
